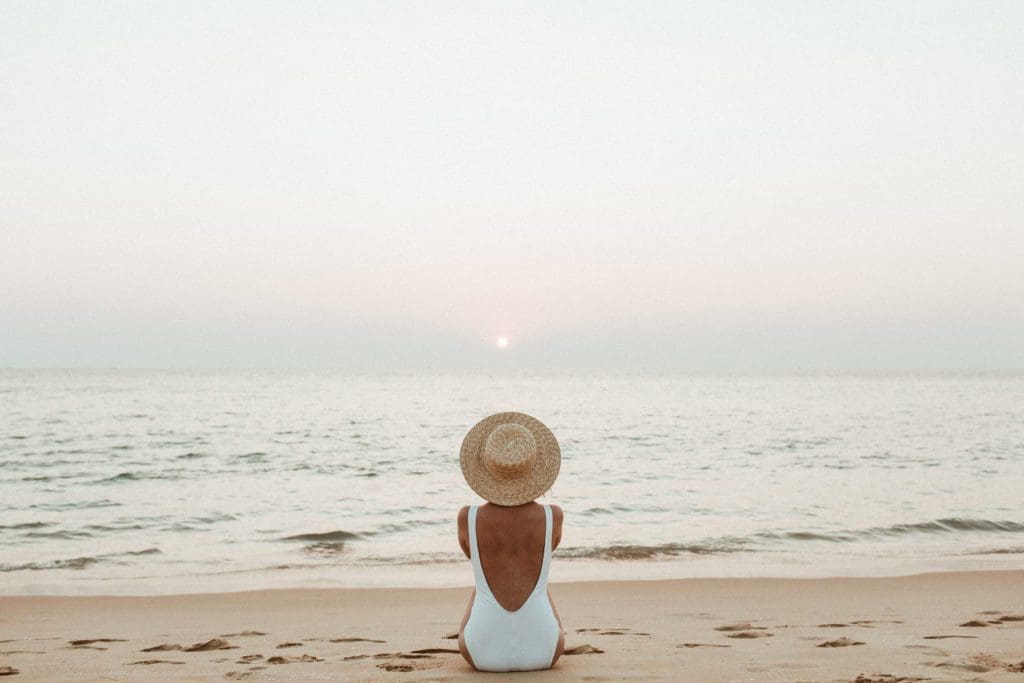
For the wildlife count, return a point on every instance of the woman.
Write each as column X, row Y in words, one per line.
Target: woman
column 509, row 459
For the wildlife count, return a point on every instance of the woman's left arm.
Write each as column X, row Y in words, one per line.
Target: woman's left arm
column 556, row 526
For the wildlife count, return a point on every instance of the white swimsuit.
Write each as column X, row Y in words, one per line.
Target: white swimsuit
column 499, row 640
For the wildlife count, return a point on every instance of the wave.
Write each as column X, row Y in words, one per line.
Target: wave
column 77, row 563
column 134, row 476
column 57, row 507
column 646, row 552
column 325, row 548
column 73, row 563
column 339, row 535
column 1013, row 550
column 406, row 526
column 937, row 526
column 26, row 525
column 60, row 534
column 950, row 524
column 107, row 527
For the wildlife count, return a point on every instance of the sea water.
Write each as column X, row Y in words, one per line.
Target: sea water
column 145, row 482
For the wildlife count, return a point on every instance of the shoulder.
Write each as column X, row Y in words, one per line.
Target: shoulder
column 463, row 517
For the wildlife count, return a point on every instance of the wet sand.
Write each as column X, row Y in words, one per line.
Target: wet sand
column 959, row 626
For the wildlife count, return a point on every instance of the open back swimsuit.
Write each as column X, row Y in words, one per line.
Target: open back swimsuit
column 499, row 640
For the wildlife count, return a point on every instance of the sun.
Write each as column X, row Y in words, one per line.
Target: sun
column 501, row 342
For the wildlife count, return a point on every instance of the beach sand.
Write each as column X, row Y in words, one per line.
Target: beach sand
column 943, row 626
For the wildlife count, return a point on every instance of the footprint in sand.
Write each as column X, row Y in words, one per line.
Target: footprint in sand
column 162, row 647
column 585, row 649
column 245, row 659
column 389, row 666
column 975, row 623
column 87, row 644
column 242, row 634
column 963, row 665
column 701, row 645
column 237, row 675
column 943, row 637
column 419, row 663
column 993, row 662
column 750, row 634
column 364, row 640
column 293, row 660
column 90, row 641
column 454, row 635
column 612, row 632
column 887, row 678
column 156, row 661
column 833, row 625
column 743, row 626
column 840, row 642
column 8, row 670
column 606, row 628
column 212, row 644
column 979, row 662
column 413, row 654
column 289, row 644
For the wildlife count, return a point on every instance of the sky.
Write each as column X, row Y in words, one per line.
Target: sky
column 633, row 186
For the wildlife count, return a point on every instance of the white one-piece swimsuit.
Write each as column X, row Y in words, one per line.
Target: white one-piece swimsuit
column 499, row 640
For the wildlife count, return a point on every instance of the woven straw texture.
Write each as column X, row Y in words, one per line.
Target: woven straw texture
column 484, row 471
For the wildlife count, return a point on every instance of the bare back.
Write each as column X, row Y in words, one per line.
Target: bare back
column 511, row 544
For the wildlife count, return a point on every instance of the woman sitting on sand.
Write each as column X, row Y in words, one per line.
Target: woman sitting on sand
column 509, row 459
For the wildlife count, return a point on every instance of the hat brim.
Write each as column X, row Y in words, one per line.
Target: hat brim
column 532, row 484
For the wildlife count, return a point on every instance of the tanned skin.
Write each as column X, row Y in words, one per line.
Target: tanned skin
column 511, row 541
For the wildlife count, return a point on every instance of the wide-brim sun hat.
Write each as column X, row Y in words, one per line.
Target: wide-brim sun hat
column 510, row 458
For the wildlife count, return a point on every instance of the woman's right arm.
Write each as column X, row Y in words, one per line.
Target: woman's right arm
column 463, row 523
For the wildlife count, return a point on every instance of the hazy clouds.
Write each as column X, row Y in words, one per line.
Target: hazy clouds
column 394, row 185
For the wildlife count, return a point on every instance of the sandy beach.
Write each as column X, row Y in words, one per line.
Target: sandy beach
column 940, row 626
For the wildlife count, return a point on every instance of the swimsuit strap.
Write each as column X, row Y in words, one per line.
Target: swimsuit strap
column 474, row 555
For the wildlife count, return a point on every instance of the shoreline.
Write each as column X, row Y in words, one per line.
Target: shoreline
column 458, row 574
column 659, row 629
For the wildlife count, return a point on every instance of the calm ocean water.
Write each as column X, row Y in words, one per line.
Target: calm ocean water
column 122, row 482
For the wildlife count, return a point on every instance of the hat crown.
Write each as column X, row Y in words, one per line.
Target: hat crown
column 509, row 450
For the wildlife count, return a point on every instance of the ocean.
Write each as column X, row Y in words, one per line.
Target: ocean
column 149, row 482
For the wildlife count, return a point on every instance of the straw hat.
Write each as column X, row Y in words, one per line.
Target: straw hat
column 510, row 458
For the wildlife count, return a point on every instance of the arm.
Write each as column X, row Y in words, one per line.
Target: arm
column 556, row 526
column 463, row 524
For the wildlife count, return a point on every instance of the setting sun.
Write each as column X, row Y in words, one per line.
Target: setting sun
column 502, row 342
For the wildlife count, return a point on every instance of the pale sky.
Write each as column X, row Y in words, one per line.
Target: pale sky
column 625, row 186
